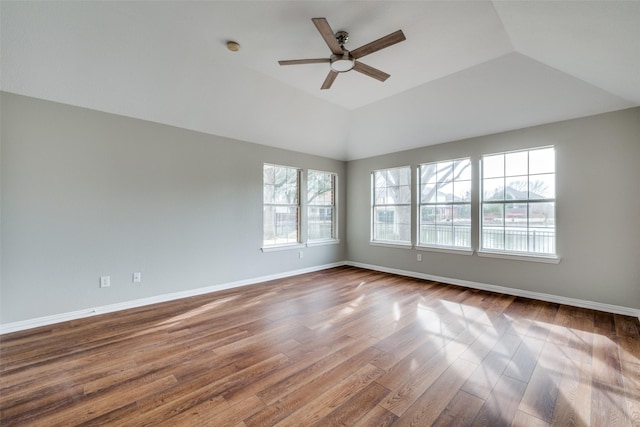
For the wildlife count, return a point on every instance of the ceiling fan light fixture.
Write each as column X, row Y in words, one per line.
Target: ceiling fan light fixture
column 342, row 63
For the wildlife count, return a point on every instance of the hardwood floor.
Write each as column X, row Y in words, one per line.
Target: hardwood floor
column 344, row 346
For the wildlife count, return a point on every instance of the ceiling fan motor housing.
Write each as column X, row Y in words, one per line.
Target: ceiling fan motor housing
column 342, row 37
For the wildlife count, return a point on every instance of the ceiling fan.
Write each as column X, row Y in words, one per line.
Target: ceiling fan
column 343, row 60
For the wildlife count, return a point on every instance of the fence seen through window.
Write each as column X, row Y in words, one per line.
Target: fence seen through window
column 518, row 202
column 391, row 207
column 445, row 204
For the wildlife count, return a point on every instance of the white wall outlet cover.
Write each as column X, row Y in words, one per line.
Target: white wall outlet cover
column 105, row 281
column 137, row 277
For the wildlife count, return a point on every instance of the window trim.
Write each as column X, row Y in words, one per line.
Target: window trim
column 390, row 244
column 445, row 249
column 322, row 242
column 282, row 247
column 517, row 256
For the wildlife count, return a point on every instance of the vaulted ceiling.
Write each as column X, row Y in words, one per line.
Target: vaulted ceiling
column 466, row 68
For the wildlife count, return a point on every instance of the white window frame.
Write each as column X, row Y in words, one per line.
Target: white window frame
column 286, row 245
column 332, row 206
column 420, row 204
column 374, row 205
column 548, row 257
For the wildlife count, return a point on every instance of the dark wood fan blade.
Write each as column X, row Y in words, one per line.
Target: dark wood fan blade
column 330, row 79
column 303, row 61
column 379, row 44
column 327, row 34
column 370, row 71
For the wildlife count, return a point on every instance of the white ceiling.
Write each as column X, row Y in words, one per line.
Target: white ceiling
column 466, row 68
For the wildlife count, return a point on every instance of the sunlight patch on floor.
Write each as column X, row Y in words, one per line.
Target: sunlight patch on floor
column 397, row 313
column 452, row 307
column 198, row 311
column 429, row 320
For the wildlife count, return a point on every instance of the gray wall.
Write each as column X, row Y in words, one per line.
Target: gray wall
column 87, row 194
column 598, row 211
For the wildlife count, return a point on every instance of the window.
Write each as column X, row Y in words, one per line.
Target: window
column 281, row 205
column 391, row 206
column 321, row 212
column 445, row 204
column 518, row 202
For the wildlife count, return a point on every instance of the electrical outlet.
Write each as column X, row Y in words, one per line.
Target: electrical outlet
column 105, row 281
column 137, row 277
column 419, row 257
column 301, row 254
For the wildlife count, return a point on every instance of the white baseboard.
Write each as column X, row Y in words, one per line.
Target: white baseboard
column 79, row 314
column 609, row 308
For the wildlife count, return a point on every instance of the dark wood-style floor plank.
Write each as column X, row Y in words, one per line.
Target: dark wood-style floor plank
column 342, row 346
column 461, row 410
column 310, row 386
column 356, row 407
column 426, row 409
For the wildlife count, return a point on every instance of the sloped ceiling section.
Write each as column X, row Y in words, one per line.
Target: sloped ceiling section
column 466, row 68
column 595, row 41
column 510, row 92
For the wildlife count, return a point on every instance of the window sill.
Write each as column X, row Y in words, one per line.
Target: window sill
column 446, row 250
column 549, row 259
column 323, row 242
column 391, row 244
column 282, row 247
